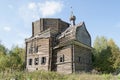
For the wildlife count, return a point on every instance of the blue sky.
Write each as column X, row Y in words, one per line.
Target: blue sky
column 102, row 17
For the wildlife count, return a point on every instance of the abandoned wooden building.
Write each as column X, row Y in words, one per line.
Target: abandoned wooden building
column 56, row 45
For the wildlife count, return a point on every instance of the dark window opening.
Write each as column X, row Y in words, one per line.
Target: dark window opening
column 43, row 60
column 30, row 61
column 36, row 61
column 62, row 58
column 79, row 59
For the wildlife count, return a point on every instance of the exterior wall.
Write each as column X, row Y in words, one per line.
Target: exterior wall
column 63, row 26
column 43, row 51
column 56, row 25
column 36, row 27
column 66, row 65
column 83, row 36
column 82, row 58
column 51, row 23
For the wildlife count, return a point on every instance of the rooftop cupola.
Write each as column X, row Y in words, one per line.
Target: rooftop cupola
column 72, row 18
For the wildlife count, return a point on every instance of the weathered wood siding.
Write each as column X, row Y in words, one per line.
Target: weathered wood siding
column 36, row 26
column 66, row 66
column 43, row 51
column 85, row 56
column 83, row 36
column 62, row 26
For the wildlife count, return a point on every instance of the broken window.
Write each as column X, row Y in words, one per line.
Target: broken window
column 62, row 58
column 36, row 61
column 30, row 61
column 43, row 60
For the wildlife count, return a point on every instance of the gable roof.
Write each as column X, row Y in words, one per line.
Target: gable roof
column 71, row 33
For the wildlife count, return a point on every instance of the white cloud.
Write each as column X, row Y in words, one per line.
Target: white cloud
column 33, row 11
column 28, row 12
column 7, row 29
column 50, row 8
column 32, row 6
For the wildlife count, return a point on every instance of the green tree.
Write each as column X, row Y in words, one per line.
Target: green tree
column 17, row 58
column 106, row 55
column 3, row 58
column 115, row 54
column 4, row 63
column 102, row 54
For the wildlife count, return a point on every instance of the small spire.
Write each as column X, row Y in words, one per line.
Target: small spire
column 72, row 18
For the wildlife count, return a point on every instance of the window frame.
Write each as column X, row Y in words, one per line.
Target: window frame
column 36, row 61
column 61, row 58
column 30, row 61
column 43, row 60
column 36, row 49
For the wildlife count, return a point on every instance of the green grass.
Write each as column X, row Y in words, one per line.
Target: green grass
column 42, row 75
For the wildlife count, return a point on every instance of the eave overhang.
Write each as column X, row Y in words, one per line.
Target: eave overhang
column 74, row 42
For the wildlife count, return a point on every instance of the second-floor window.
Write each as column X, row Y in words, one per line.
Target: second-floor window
column 35, row 49
column 30, row 50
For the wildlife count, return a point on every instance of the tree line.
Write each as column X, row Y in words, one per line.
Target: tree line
column 106, row 57
column 11, row 60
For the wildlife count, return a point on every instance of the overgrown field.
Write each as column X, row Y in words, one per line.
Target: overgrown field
column 42, row 75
